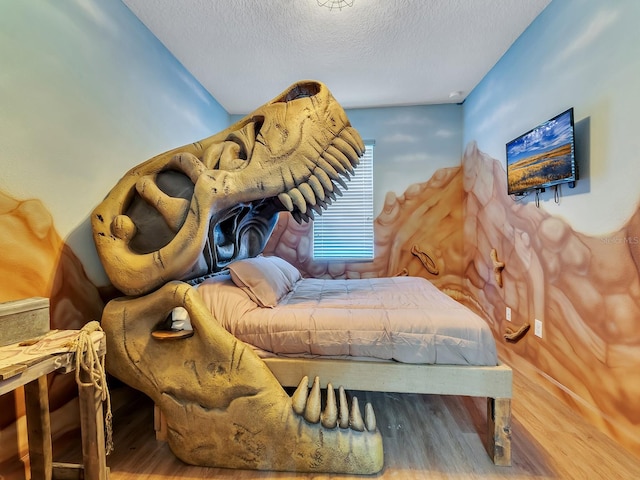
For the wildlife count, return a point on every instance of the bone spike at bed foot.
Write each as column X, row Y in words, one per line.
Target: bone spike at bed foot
column 308, row 406
column 344, row 409
column 312, row 410
column 370, row 417
column 355, row 417
column 330, row 415
column 299, row 398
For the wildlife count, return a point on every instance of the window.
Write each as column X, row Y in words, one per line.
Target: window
column 345, row 230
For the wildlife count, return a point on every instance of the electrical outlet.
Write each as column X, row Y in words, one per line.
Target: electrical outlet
column 508, row 314
column 537, row 329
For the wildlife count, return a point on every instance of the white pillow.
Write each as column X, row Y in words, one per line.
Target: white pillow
column 261, row 279
column 291, row 272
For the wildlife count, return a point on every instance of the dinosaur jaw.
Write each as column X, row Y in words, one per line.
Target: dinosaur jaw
column 223, row 406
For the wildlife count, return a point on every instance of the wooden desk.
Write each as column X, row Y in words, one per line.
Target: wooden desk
column 28, row 366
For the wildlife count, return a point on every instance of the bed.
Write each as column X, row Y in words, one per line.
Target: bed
column 396, row 334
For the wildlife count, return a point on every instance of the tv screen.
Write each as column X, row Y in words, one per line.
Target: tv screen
column 542, row 157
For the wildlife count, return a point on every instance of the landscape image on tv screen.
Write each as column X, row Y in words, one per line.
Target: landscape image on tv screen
column 542, row 157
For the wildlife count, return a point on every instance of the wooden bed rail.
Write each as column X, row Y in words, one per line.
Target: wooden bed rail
column 381, row 376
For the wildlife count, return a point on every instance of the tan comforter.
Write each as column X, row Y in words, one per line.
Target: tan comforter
column 399, row 318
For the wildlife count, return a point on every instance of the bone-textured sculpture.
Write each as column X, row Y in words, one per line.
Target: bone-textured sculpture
column 223, row 406
column 190, row 212
column 196, row 208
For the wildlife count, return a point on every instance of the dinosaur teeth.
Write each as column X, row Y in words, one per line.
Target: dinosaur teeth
column 308, row 405
column 343, row 418
column 330, row 415
column 312, row 409
column 343, row 184
column 345, row 149
column 297, row 216
column 298, row 200
column 318, row 208
column 370, row 418
column 299, row 398
column 355, row 417
column 307, row 193
column 285, row 199
column 329, row 170
column 317, row 187
column 334, row 161
column 324, row 179
column 354, row 140
column 308, row 216
column 332, row 151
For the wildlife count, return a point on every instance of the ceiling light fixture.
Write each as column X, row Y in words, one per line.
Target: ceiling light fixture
column 335, row 4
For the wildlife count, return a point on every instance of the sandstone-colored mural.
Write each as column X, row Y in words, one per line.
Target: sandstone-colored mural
column 425, row 222
column 37, row 262
column 585, row 289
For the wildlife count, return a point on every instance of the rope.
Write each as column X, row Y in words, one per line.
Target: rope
column 88, row 360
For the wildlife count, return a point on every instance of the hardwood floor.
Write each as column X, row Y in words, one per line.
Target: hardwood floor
column 425, row 437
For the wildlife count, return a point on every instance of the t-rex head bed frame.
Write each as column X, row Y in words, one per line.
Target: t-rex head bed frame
column 190, row 212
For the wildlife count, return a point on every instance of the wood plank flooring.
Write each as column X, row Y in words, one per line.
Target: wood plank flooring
column 425, row 437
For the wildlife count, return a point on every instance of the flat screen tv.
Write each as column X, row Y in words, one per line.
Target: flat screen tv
column 543, row 157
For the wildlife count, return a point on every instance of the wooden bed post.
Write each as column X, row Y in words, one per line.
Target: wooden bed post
column 499, row 430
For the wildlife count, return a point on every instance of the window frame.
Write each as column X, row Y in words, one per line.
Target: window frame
column 350, row 218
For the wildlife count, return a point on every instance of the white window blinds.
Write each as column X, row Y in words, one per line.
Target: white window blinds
column 345, row 230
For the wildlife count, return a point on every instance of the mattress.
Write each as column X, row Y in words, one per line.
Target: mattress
column 405, row 319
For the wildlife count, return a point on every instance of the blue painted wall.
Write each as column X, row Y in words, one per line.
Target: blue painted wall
column 583, row 54
column 86, row 93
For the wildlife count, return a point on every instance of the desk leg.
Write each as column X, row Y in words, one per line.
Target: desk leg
column 36, row 395
column 92, row 425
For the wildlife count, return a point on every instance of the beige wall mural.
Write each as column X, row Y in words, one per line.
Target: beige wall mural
column 52, row 271
column 585, row 289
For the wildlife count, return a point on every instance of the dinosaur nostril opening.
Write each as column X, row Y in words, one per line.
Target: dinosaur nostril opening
column 301, row 90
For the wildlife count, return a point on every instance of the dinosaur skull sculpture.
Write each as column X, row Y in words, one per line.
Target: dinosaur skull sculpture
column 194, row 209
column 190, row 212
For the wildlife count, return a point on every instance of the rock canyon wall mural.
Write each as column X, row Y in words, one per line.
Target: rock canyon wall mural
column 585, row 289
column 53, row 271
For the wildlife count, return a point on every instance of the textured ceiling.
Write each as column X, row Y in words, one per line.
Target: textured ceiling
column 375, row 53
